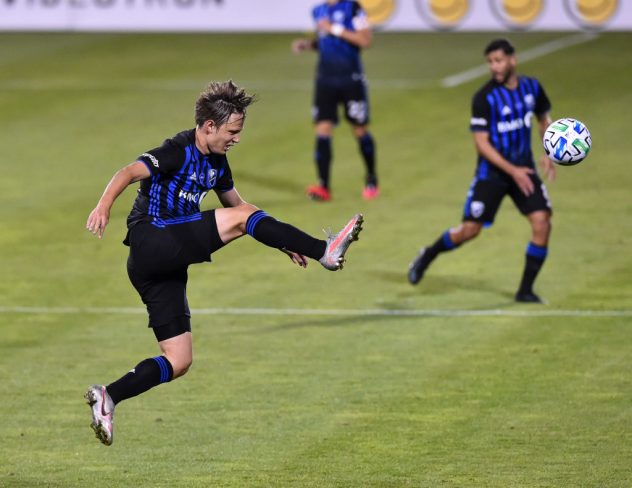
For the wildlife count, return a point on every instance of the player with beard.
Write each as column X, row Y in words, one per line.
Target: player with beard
column 502, row 111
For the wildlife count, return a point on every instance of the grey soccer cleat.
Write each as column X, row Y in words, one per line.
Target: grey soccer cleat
column 337, row 244
column 102, row 413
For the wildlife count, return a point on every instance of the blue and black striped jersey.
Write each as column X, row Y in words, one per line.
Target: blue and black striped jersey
column 506, row 115
column 339, row 58
column 180, row 178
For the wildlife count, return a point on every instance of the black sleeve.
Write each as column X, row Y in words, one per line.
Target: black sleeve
column 542, row 102
column 481, row 113
column 165, row 159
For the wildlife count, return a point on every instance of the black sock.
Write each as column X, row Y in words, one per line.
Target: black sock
column 323, row 159
column 147, row 374
column 443, row 244
column 367, row 149
column 280, row 235
column 534, row 261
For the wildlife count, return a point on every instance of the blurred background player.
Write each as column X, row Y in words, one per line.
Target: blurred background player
column 342, row 30
column 167, row 232
column 501, row 124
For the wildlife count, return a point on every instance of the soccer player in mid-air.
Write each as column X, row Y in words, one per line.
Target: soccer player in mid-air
column 502, row 111
column 342, row 31
column 167, row 232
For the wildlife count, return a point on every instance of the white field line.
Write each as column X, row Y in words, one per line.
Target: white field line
column 326, row 312
column 528, row 55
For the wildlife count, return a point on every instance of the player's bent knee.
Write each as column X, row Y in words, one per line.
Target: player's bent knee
column 472, row 233
column 541, row 224
column 359, row 131
column 542, row 231
column 244, row 211
column 324, row 128
column 470, row 230
column 179, row 352
column 180, row 365
column 181, row 372
column 231, row 221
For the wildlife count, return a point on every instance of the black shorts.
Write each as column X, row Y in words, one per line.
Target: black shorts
column 157, row 267
column 352, row 94
column 484, row 198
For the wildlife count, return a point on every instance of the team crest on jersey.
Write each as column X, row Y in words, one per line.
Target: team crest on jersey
column 338, row 17
column 212, row 177
column 529, row 99
column 477, row 208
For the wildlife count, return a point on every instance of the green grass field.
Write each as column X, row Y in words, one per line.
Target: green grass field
column 529, row 397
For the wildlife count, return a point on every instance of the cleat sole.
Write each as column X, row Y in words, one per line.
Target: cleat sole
column 90, row 400
column 100, row 431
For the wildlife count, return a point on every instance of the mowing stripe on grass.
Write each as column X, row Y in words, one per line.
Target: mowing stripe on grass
column 145, row 84
column 528, row 55
column 331, row 312
column 52, row 84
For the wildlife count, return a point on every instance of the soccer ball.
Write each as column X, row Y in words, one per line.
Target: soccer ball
column 567, row 141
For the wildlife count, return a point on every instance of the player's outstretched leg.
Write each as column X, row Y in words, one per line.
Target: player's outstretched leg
column 102, row 413
column 426, row 255
column 338, row 244
column 271, row 232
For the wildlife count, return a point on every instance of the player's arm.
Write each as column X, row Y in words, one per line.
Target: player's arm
column 230, row 198
column 304, row 44
column 360, row 37
column 548, row 168
column 519, row 174
column 100, row 216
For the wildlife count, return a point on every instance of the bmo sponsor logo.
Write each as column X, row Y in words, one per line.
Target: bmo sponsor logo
column 515, row 124
column 191, row 197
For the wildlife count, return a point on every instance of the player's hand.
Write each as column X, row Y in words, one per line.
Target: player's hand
column 520, row 175
column 301, row 45
column 97, row 220
column 548, row 168
column 324, row 26
column 296, row 258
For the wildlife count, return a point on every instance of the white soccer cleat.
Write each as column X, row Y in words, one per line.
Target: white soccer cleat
column 102, row 413
column 337, row 244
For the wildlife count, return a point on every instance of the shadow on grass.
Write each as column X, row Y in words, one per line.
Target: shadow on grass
column 435, row 285
column 346, row 321
column 443, row 284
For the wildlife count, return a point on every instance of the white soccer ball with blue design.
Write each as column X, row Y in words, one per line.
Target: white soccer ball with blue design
column 567, row 141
